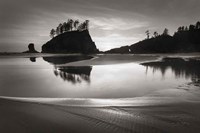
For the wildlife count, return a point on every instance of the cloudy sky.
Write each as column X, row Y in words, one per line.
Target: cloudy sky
column 113, row 23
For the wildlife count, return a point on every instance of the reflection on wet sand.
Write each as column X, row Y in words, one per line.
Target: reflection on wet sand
column 187, row 68
column 74, row 74
column 32, row 59
column 71, row 74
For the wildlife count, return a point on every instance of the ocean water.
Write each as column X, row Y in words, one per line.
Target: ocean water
column 50, row 77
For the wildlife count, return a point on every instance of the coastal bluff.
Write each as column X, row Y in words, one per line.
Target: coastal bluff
column 185, row 40
column 71, row 42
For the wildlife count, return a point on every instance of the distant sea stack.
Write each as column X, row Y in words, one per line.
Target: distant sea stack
column 31, row 49
column 71, row 42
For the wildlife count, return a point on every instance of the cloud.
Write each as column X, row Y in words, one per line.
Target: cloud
column 116, row 23
column 117, row 39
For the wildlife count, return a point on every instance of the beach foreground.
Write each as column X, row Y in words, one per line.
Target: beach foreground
column 173, row 108
column 147, row 114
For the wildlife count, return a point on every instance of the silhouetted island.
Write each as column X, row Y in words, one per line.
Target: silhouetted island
column 72, row 37
column 184, row 40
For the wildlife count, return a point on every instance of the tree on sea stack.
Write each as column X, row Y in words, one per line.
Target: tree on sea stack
column 76, row 23
column 70, row 25
column 148, row 34
column 72, row 37
column 60, row 28
column 197, row 25
column 86, row 24
column 155, row 34
column 52, row 33
column 166, row 32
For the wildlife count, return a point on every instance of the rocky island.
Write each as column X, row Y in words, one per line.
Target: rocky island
column 72, row 37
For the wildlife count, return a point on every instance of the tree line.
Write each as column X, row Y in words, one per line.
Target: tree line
column 156, row 34
column 180, row 29
column 70, row 25
column 191, row 27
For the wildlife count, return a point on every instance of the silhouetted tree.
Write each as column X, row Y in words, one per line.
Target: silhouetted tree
column 186, row 28
column 57, row 31
column 166, row 32
column 192, row 27
column 197, row 25
column 179, row 29
column 83, row 26
column 86, row 24
column 65, row 27
column 182, row 28
column 60, row 26
column 76, row 23
column 80, row 27
column 52, row 33
column 148, row 34
column 155, row 34
column 71, row 24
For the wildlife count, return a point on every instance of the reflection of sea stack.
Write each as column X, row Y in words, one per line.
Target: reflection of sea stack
column 71, row 42
column 188, row 68
column 32, row 59
column 31, row 49
column 74, row 74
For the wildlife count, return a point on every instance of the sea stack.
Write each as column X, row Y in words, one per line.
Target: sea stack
column 31, row 49
column 71, row 42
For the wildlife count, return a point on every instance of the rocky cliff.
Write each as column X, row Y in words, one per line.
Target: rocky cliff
column 71, row 42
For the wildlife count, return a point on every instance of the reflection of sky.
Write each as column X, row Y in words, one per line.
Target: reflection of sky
column 20, row 77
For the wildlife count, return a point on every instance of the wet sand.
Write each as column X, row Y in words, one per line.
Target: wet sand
column 171, row 111
column 108, row 59
column 148, row 114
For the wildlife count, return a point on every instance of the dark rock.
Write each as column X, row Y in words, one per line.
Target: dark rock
column 160, row 44
column 31, row 49
column 32, row 59
column 71, row 42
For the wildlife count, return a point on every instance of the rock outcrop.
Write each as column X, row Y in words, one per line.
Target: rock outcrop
column 31, row 49
column 71, row 42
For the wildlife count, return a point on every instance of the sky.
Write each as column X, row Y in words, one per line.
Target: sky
column 113, row 23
